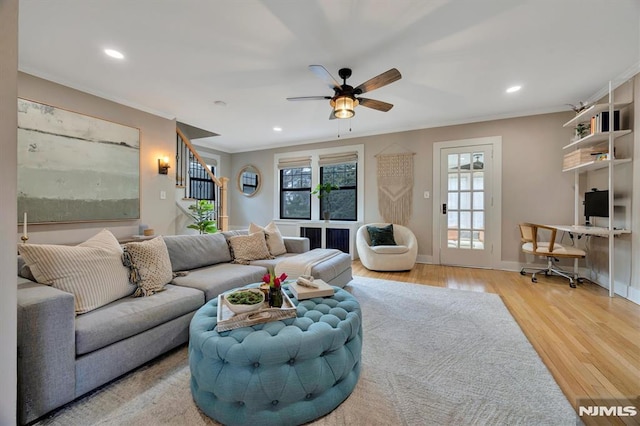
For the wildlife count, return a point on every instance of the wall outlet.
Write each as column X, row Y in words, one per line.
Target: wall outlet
column 163, row 195
column 426, row 194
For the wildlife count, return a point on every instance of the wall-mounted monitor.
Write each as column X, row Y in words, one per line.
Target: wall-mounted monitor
column 596, row 204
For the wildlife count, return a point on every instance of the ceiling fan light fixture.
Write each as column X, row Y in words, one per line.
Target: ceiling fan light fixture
column 343, row 106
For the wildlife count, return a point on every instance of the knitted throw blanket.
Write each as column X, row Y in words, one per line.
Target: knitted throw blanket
column 302, row 263
column 395, row 187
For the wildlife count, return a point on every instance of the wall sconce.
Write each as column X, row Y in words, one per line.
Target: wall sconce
column 163, row 165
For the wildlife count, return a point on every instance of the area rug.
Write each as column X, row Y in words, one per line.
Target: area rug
column 431, row 356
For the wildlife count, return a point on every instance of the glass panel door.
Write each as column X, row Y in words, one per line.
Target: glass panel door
column 465, row 172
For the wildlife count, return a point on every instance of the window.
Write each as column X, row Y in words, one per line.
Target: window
column 343, row 202
column 295, row 193
column 201, row 187
column 299, row 175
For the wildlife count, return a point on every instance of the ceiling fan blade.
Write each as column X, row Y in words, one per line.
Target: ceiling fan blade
column 309, row 98
column 378, row 81
column 332, row 116
column 325, row 76
column 374, row 104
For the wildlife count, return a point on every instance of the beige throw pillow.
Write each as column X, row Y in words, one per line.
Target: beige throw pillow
column 249, row 247
column 275, row 242
column 92, row 271
column 149, row 265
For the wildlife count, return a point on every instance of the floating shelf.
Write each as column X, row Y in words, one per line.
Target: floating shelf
column 586, row 115
column 595, row 165
column 595, row 138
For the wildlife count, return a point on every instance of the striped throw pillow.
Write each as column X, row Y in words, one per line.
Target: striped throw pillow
column 92, row 271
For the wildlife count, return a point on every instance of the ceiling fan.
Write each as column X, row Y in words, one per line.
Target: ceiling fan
column 345, row 97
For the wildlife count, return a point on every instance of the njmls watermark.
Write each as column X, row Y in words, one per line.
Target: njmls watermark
column 597, row 411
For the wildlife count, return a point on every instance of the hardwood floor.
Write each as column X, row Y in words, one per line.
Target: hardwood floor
column 589, row 341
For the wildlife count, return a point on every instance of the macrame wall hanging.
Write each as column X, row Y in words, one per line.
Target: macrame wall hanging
column 395, row 187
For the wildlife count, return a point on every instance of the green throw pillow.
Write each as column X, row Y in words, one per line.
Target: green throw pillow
column 381, row 236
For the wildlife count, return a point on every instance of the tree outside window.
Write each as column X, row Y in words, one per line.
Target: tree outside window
column 295, row 193
column 344, row 205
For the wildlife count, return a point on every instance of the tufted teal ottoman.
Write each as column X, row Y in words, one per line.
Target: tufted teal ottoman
column 285, row 372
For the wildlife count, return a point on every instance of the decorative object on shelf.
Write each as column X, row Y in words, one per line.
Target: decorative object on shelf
column 163, row 166
column 580, row 107
column 203, row 217
column 395, row 187
column 321, row 190
column 75, row 168
column 581, row 130
column 275, row 290
column 249, row 180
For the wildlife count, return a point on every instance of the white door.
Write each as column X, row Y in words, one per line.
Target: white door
column 465, row 231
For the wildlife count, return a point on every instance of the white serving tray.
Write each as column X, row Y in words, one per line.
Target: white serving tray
column 227, row 320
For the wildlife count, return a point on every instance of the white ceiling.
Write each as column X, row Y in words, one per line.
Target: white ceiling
column 456, row 57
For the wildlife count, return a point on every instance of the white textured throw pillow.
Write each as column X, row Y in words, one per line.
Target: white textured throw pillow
column 275, row 242
column 249, row 247
column 149, row 265
column 92, row 271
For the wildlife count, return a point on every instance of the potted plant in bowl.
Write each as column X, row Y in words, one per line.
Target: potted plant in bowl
column 202, row 214
column 324, row 189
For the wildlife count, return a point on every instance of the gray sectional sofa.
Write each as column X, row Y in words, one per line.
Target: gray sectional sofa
column 62, row 356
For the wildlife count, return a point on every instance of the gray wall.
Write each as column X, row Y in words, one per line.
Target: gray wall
column 8, row 201
column 533, row 185
column 157, row 139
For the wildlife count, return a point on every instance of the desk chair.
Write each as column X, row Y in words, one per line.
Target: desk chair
column 549, row 249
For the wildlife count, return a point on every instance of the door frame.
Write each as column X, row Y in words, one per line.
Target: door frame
column 495, row 219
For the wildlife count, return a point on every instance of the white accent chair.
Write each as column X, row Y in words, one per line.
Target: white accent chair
column 401, row 257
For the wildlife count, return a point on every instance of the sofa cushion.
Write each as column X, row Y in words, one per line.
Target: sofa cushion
column 133, row 315
column 270, row 264
column 92, row 271
column 275, row 242
column 195, row 251
column 216, row 279
column 381, row 236
column 149, row 265
column 23, row 270
column 331, row 268
column 249, row 247
column 399, row 249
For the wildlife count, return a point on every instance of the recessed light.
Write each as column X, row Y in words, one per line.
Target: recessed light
column 277, row 129
column 513, row 89
column 114, row 53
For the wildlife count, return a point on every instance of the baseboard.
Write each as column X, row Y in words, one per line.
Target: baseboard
column 634, row 295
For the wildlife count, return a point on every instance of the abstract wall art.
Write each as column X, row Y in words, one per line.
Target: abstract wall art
column 75, row 168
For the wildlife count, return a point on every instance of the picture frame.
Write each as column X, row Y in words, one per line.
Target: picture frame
column 74, row 167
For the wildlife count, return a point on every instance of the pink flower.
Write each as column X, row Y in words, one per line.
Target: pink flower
column 270, row 278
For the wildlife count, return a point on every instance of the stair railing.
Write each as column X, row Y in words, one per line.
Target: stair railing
column 185, row 152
